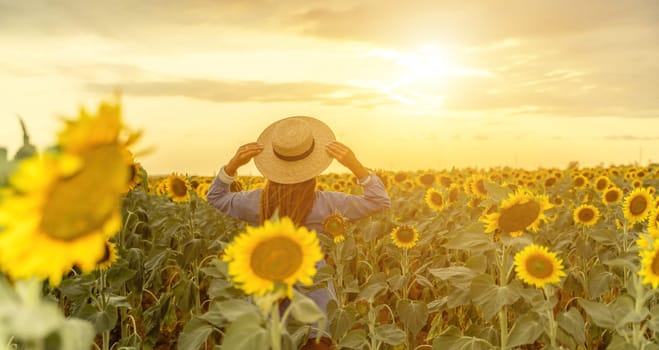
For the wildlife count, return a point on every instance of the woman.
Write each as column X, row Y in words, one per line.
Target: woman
column 290, row 153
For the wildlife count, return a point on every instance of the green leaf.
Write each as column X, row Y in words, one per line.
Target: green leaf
column 653, row 324
column 572, row 323
column 414, row 314
column 599, row 281
column 118, row 275
column 246, row 333
column 397, row 281
column 599, row 313
column 103, row 320
column 474, row 241
column 389, row 334
column 355, row 339
column 495, row 191
column 342, row 320
column 619, row 343
column 371, row 290
column 459, row 276
column 491, row 297
column 623, row 311
column 477, row 263
column 194, row 334
column 233, row 309
column 214, row 316
column 304, row 309
column 372, row 230
column 452, row 339
column 525, row 331
column 74, row 288
column 621, row 262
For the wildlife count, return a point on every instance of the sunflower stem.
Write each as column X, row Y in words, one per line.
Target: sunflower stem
column 639, row 304
column 405, row 270
column 503, row 312
column 338, row 286
column 275, row 328
column 550, row 316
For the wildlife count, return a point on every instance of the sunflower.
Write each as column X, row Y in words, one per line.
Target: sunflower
column 276, row 252
column 426, row 180
column 550, row 181
column 650, row 266
column 601, row 183
column 178, row 188
column 109, row 257
column 405, row 236
column 435, row 199
column 579, row 181
column 400, row 176
column 653, row 222
column 636, row 183
column 61, row 207
column 134, row 174
column 477, row 187
column 536, row 265
column 335, row 226
column 445, row 180
column 520, row 211
column 202, row 190
column 586, row 215
column 637, row 205
column 612, row 195
column 453, row 193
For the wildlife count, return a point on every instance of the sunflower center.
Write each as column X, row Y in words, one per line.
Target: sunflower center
column 106, row 254
column 427, row 179
column 405, row 235
column 453, row 195
column 655, row 265
column 586, row 214
column 480, row 187
column 436, row 199
column 539, row 266
column 601, row 184
column 276, row 259
column 579, row 182
column 83, row 202
column 178, row 188
column 550, row 182
column 519, row 216
column 334, row 227
column 638, row 205
column 612, row 196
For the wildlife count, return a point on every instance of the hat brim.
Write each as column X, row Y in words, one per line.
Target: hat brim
column 288, row 172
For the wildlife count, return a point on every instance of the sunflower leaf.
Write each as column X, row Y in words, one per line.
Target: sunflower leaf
column 599, row 313
column 304, row 309
column 491, row 297
column 525, row 331
column 572, row 323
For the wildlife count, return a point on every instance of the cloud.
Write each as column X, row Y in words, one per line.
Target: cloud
column 474, row 23
column 250, row 91
column 630, row 138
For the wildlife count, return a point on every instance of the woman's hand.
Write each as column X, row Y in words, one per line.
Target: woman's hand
column 243, row 155
column 347, row 158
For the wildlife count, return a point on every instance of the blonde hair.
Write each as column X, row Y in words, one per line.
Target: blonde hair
column 292, row 200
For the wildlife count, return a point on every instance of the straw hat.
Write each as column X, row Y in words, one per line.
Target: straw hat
column 294, row 149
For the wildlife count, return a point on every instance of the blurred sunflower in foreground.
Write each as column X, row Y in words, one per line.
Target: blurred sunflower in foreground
column 62, row 206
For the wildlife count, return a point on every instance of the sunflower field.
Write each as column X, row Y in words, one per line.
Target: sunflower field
column 97, row 254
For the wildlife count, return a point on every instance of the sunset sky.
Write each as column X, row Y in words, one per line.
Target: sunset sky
column 406, row 84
